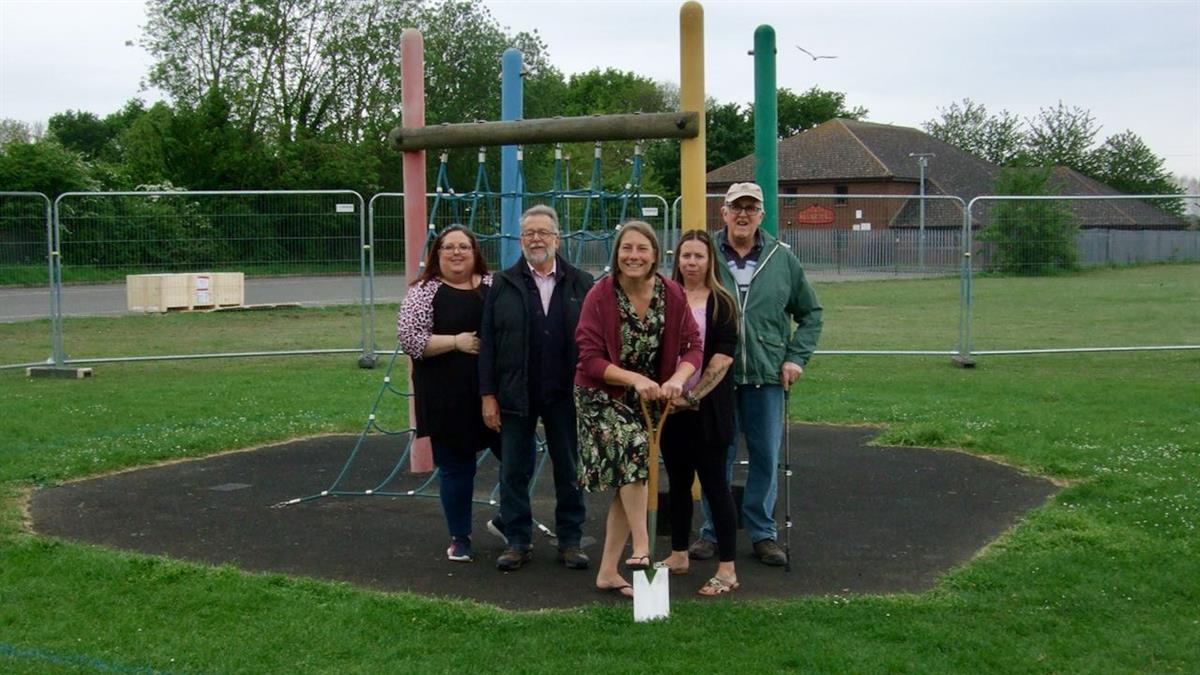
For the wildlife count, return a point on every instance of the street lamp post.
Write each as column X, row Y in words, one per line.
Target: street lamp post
column 922, row 161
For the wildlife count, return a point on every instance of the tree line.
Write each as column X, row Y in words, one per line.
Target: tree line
column 1059, row 135
column 301, row 94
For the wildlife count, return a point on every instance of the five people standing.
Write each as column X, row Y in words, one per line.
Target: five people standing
column 720, row 342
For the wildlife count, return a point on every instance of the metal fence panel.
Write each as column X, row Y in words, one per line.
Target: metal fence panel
column 294, row 248
column 875, row 238
column 25, row 238
column 1025, row 247
column 26, row 263
column 324, row 248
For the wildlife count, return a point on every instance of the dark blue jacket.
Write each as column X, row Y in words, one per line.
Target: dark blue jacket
column 505, row 333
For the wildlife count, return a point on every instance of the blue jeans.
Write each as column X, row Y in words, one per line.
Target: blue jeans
column 456, row 472
column 517, row 440
column 759, row 417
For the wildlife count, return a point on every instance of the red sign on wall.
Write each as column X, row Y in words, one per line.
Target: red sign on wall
column 814, row 215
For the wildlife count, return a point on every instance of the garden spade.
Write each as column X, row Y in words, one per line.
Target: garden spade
column 651, row 594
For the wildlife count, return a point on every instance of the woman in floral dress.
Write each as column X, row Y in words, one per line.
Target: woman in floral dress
column 637, row 339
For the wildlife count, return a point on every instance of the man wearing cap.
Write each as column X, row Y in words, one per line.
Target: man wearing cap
column 527, row 356
column 772, row 292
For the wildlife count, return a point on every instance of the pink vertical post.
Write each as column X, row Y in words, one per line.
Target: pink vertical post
column 412, row 106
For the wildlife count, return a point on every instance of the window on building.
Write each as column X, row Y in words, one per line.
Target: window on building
column 841, row 190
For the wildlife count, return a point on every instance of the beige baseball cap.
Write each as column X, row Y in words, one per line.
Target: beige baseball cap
column 739, row 190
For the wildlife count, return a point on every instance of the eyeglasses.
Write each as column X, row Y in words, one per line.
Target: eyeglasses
column 748, row 210
column 451, row 248
column 538, row 234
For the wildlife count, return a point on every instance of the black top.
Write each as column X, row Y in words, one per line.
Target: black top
column 549, row 381
column 715, row 415
column 447, row 385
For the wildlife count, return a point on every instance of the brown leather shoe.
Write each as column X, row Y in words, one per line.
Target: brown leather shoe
column 573, row 558
column 513, row 559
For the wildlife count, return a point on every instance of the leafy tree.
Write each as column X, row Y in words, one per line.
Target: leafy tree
column 15, row 130
column 44, row 166
column 207, row 150
column 799, row 112
column 1126, row 163
column 997, row 138
column 1063, row 136
column 145, row 147
column 317, row 163
column 1030, row 237
column 80, row 131
column 729, row 134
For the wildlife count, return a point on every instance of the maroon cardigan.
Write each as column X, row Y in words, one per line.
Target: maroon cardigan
column 599, row 337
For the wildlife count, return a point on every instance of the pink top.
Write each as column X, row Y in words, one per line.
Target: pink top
column 701, row 322
column 545, row 284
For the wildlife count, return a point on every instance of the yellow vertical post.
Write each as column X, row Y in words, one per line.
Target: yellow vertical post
column 691, row 99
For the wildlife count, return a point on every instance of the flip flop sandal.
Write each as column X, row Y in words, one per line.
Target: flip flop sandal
column 718, row 586
column 675, row 571
column 638, row 562
column 617, row 591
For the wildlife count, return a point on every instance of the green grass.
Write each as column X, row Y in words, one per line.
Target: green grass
column 1105, row 578
column 280, row 329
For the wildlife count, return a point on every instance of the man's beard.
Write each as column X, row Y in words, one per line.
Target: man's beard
column 534, row 258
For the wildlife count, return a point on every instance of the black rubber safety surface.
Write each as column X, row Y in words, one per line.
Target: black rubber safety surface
column 866, row 519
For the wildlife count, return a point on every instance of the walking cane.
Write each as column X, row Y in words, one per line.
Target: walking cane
column 787, row 485
column 651, row 597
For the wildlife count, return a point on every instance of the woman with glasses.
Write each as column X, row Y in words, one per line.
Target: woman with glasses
column 637, row 340
column 437, row 327
column 696, row 439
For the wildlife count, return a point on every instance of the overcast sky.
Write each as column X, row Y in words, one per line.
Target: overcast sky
column 1135, row 65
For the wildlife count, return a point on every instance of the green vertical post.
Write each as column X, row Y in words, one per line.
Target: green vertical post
column 766, row 126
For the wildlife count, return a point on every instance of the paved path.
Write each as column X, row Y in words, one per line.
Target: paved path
column 24, row 304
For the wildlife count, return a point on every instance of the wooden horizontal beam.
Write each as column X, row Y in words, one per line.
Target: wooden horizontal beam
column 634, row 126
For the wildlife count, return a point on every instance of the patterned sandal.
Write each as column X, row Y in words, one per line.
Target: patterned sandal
column 718, row 586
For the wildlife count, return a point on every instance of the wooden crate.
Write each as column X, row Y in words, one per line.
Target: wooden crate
column 165, row 292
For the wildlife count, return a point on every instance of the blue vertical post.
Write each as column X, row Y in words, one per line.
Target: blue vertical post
column 512, row 107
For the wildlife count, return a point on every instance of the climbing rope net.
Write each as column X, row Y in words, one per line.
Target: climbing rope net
column 588, row 222
column 588, row 215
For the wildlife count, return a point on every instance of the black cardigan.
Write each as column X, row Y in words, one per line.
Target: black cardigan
column 715, row 415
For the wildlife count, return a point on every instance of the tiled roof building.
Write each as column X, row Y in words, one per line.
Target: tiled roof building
column 850, row 157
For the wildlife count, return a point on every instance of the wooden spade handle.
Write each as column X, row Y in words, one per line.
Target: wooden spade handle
column 655, row 433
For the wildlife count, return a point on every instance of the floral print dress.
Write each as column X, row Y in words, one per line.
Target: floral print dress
column 613, row 444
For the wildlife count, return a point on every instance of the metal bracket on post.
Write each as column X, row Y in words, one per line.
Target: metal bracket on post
column 56, row 365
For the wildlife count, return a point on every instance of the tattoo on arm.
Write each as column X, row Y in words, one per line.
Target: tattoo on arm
column 711, row 377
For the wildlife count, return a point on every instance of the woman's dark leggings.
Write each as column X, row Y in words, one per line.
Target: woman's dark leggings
column 687, row 453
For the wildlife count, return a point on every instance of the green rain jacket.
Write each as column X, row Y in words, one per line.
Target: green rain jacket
column 779, row 294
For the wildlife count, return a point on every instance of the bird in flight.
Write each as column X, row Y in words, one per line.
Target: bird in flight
column 814, row 56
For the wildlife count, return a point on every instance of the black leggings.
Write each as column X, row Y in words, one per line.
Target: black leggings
column 688, row 453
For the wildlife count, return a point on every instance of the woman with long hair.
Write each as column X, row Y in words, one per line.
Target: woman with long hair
column 696, row 439
column 637, row 340
column 438, row 328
